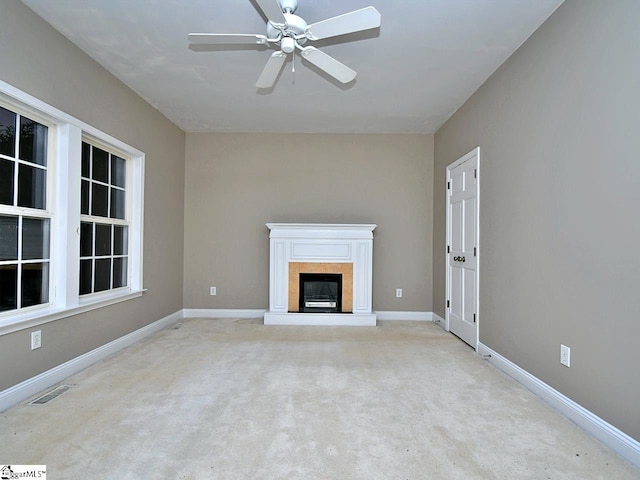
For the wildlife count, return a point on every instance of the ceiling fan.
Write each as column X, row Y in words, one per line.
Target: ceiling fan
column 289, row 32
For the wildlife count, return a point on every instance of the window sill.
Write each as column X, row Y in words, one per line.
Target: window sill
column 24, row 320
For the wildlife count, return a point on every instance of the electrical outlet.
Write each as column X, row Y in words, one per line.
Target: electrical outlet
column 398, row 292
column 212, row 291
column 36, row 339
column 565, row 355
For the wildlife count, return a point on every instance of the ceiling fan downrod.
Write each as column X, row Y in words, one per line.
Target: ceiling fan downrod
column 288, row 6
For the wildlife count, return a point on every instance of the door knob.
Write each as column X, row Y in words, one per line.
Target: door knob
column 462, row 259
column 456, row 259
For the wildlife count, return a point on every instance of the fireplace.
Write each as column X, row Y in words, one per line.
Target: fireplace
column 320, row 254
column 320, row 293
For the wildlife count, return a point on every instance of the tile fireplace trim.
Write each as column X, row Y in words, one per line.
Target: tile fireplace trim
column 296, row 268
column 323, row 244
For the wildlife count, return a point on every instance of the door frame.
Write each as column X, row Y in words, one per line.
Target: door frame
column 475, row 152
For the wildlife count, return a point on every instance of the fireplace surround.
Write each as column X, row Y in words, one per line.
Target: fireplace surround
column 321, row 249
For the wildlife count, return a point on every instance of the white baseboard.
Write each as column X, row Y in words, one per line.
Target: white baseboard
column 256, row 313
column 222, row 313
column 411, row 316
column 618, row 441
column 16, row 394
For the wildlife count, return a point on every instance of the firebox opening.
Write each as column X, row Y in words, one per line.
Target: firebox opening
column 320, row 293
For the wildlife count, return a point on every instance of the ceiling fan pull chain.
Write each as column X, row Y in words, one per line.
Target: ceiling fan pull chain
column 293, row 69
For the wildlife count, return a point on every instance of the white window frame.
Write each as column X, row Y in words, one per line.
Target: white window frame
column 28, row 212
column 88, row 218
column 66, row 134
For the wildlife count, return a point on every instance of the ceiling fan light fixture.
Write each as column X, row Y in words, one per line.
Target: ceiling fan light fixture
column 287, row 44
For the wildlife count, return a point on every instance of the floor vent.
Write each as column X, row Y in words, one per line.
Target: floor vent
column 47, row 397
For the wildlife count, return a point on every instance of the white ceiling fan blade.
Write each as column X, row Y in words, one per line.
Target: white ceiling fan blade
column 330, row 65
column 271, row 70
column 226, row 39
column 273, row 11
column 355, row 21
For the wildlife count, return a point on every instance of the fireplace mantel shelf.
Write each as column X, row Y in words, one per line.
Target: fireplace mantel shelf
column 320, row 230
column 323, row 244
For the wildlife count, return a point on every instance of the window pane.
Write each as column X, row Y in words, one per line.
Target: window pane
column 7, row 132
column 35, row 238
column 8, row 238
column 84, row 198
column 86, row 275
column 6, row 181
column 33, row 141
column 117, row 171
column 86, row 160
column 103, row 275
column 86, row 239
column 117, row 203
column 119, row 272
column 120, row 240
column 103, row 240
column 100, row 165
column 35, row 284
column 31, row 187
column 99, row 200
column 8, row 287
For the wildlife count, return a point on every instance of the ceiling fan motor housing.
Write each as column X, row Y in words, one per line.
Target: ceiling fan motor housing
column 295, row 26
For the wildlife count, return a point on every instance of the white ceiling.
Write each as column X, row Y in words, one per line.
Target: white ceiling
column 426, row 59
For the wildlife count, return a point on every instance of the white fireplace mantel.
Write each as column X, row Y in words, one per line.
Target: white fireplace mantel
column 320, row 243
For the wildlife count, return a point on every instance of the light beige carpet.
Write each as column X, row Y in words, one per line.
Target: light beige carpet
column 227, row 399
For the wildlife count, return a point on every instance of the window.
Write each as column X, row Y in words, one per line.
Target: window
column 104, row 231
column 71, row 214
column 24, row 220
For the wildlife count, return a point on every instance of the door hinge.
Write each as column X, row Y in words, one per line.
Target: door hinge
column 475, row 173
column 448, row 185
column 475, row 252
column 448, row 303
column 448, row 249
column 474, row 318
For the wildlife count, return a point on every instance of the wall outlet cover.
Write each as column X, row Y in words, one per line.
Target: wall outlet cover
column 565, row 355
column 36, row 339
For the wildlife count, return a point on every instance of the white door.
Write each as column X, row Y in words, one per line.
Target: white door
column 462, row 248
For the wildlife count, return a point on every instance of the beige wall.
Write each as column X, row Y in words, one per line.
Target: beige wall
column 238, row 182
column 557, row 125
column 39, row 61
